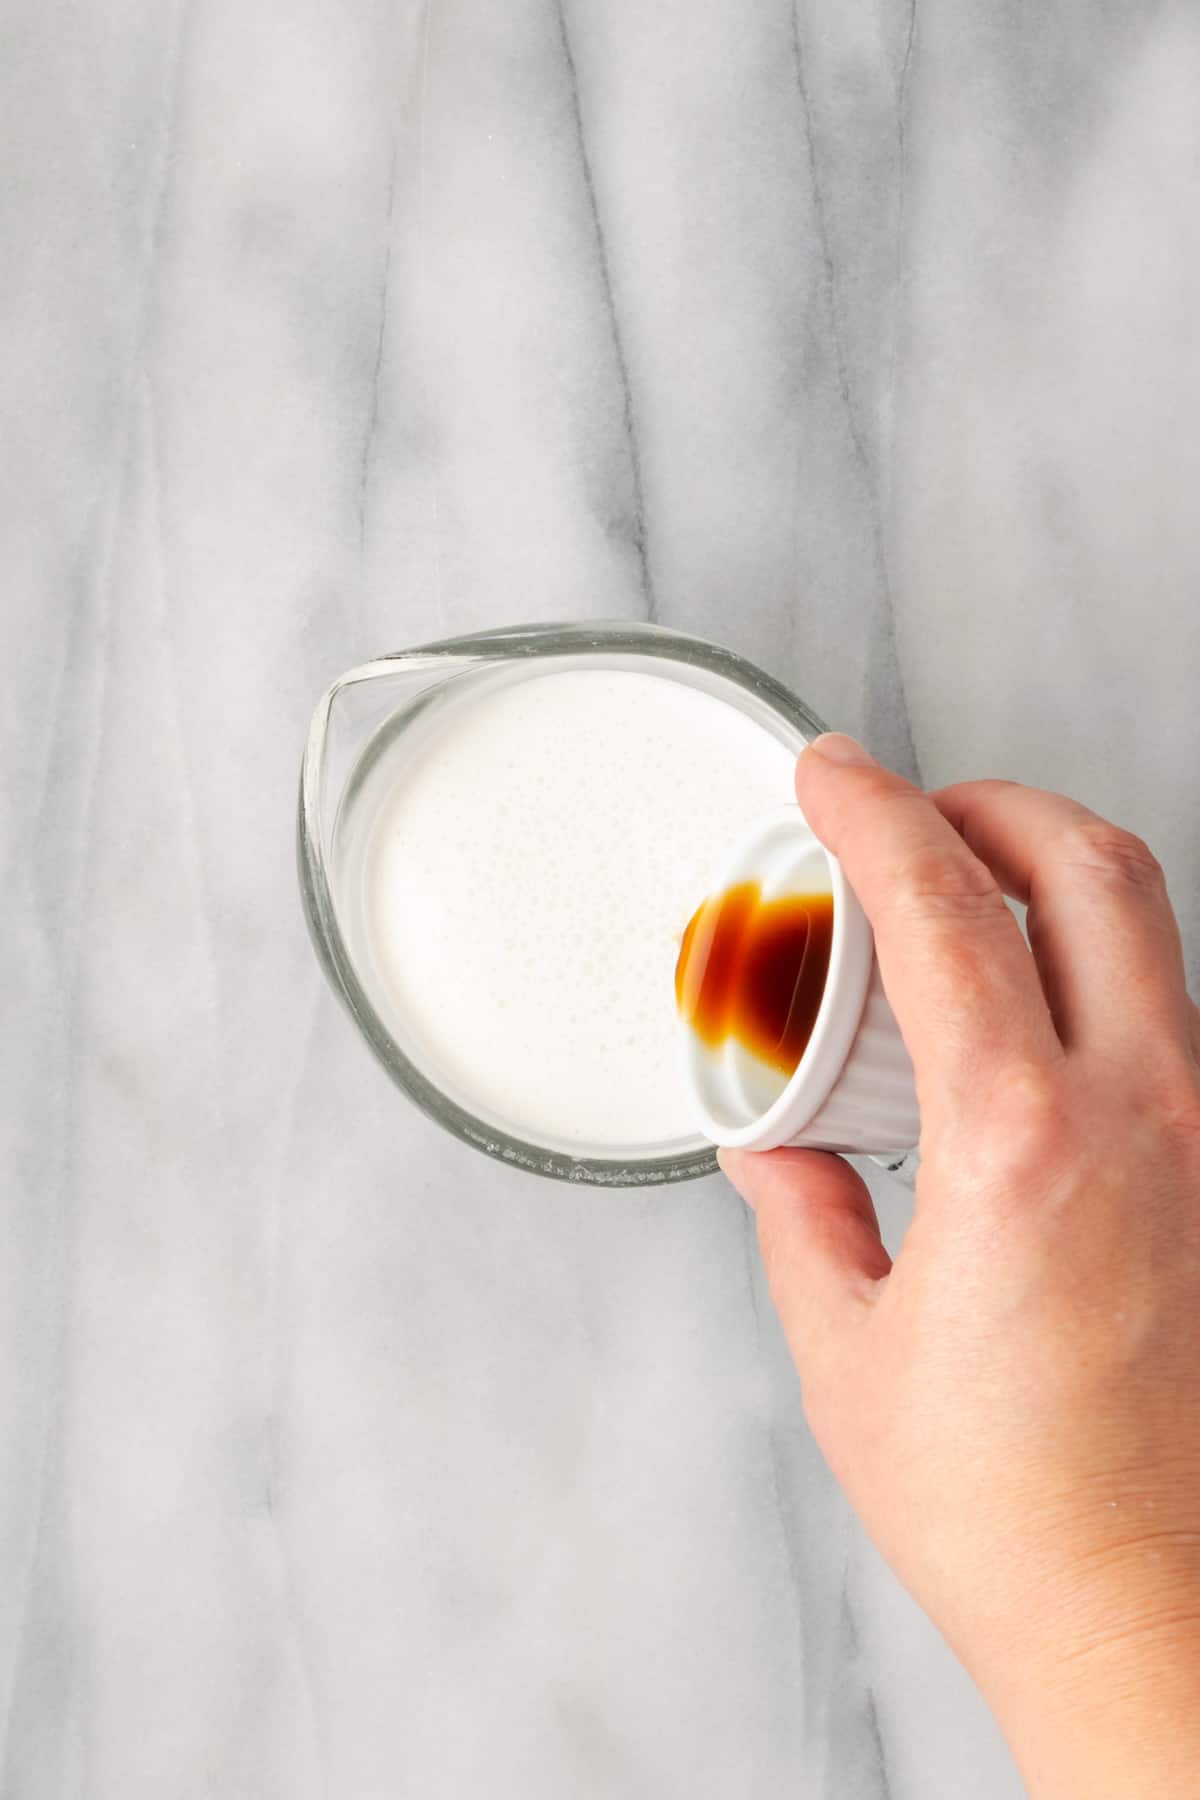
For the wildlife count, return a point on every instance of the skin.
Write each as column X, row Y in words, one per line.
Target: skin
column 1013, row 1406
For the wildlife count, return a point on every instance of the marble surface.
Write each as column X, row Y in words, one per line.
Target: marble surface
column 861, row 336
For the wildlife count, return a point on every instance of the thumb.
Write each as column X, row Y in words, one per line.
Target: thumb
column 819, row 1239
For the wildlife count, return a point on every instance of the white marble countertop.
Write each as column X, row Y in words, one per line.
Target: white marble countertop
column 334, row 1460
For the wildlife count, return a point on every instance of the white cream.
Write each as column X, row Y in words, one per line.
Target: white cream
column 526, row 880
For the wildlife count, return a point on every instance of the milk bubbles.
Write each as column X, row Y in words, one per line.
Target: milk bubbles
column 527, row 875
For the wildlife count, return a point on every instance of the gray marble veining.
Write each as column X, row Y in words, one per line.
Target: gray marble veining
column 334, row 1461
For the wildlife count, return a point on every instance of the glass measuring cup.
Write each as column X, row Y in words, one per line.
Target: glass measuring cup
column 359, row 728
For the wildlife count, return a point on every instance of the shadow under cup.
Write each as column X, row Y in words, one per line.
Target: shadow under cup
column 363, row 730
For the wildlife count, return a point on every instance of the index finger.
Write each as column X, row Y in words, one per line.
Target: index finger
column 956, row 970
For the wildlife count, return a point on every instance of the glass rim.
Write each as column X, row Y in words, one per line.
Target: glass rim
column 533, row 641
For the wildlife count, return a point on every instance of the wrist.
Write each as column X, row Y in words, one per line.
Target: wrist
column 1115, row 1726
column 1109, row 1712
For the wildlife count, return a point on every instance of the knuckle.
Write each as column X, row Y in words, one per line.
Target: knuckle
column 990, row 785
column 1032, row 1101
column 961, row 793
column 1027, row 1128
column 1116, row 854
column 1176, row 1105
column 934, row 881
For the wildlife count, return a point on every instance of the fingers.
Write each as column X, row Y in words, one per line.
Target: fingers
column 1100, row 923
column 955, row 967
column 820, row 1241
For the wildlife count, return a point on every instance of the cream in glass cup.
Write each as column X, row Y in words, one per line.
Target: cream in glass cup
column 501, row 838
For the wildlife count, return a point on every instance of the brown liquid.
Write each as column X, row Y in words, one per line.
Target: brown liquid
column 755, row 970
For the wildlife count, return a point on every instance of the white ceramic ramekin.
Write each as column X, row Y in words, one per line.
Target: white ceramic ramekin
column 853, row 1087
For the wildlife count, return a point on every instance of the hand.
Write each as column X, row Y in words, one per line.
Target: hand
column 1013, row 1407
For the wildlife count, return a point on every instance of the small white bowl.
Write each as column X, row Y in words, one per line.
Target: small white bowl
column 853, row 1087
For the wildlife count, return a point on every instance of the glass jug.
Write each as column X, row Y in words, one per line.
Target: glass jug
column 358, row 728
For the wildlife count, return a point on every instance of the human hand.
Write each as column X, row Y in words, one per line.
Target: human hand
column 1013, row 1407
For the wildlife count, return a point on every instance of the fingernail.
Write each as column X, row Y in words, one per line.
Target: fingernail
column 836, row 747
